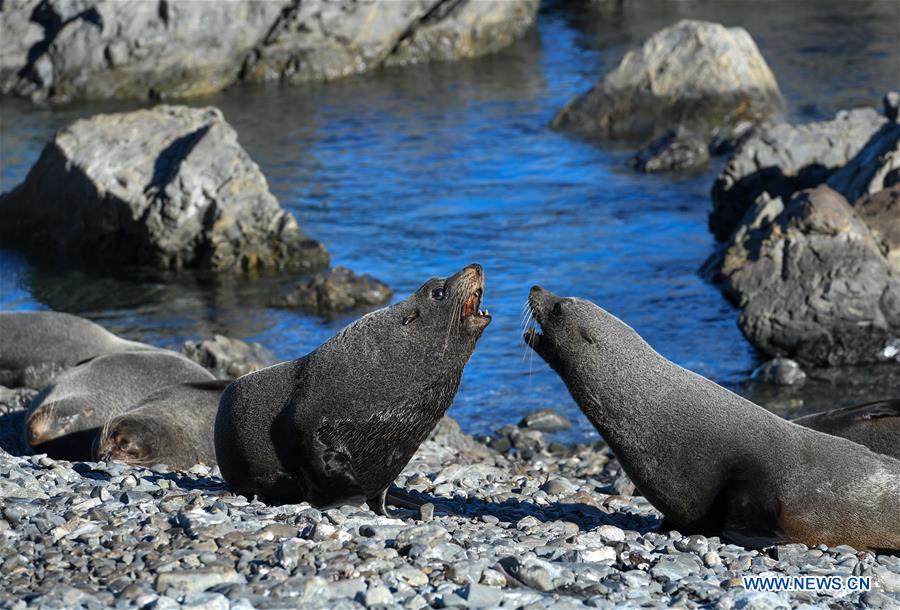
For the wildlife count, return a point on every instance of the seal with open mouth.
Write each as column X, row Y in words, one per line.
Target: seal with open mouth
column 339, row 424
column 710, row 461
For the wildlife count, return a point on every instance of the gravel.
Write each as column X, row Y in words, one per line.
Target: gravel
column 541, row 528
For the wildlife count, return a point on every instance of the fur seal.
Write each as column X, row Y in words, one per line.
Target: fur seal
column 35, row 346
column 172, row 426
column 339, row 424
column 710, row 461
column 875, row 425
column 64, row 418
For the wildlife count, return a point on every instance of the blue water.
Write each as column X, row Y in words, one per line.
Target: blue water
column 411, row 173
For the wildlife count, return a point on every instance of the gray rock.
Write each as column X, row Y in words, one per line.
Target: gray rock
column 545, row 420
column 696, row 74
column 481, row 596
column 881, row 213
column 336, row 291
column 228, row 358
column 92, row 49
column 780, row 159
column 196, row 580
column 780, row 371
column 814, row 285
column 677, row 150
column 874, row 168
column 177, row 192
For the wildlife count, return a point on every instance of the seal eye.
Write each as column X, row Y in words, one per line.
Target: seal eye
column 557, row 309
column 438, row 294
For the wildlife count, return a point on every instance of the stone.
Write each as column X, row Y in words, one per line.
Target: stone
column 335, row 291
column 780, row 159
column 165, row 188
column 874, row 168
column 545, row 420
column 675, row 151
column 91, row 49
column 881, row 213
column 779, row 371
column 196, row 580
column 479, row 596
column 694, row 74
column 228, row 358
column 814, row 285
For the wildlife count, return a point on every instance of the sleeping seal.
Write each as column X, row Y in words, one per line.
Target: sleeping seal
column 64, row 418
column 710, row 461
column 339, row 424
column 875, row 425
column 35, row 346
column 172, row 426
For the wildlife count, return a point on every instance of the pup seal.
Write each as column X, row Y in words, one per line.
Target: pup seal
column 875, row 425
column 65, row 417
column 172, row 426
column 710, row 461
column 35, row 346
column 338, row 425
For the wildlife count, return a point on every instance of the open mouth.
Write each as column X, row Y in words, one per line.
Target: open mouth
column 472, row 305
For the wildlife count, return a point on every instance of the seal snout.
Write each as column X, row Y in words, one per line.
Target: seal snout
column 472, row 277
column 37, row 428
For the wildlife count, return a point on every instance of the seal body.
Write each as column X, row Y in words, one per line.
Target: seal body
column 709, row 460
column 35, row 346
column 875, row 425
column 339, row 424
column 65, row 417
column 173, row 426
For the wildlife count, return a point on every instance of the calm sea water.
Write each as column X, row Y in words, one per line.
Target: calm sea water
column 411, row 173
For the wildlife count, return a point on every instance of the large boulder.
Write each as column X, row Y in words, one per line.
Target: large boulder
column 814, row 284
column 90, row 49
column 228, row 358
column 778, row 160
column 694, row 74
column 166, row 188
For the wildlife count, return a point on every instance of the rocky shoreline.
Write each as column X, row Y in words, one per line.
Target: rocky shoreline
column 539, row 526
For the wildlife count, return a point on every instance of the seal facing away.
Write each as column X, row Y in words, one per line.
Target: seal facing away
column 65, row 417
column 35, row 346
column 339, row 424
column 709, row 460
column 172, row 426
column 875, row 425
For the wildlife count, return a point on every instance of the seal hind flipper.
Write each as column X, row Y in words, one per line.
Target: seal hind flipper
column 875, row 425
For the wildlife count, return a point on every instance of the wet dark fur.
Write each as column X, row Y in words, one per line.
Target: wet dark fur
column 710, row 461
column 338, row 425
column 875, row 425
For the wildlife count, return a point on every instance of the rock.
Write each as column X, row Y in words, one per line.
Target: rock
column 874, row 168
column 814, row 285
column 93, row 49
column 167, row 188
column 881, row 213
column 891, row 104
column 676, row 150
column 336, row 291
column 196, row 580
column 327, row 40
column 695, row 74
column 780, row 159
column 228, row 358
column 545, row 420
column 18, row 35
column 780, row 371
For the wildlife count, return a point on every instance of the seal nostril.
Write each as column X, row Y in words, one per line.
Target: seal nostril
column 476, row 268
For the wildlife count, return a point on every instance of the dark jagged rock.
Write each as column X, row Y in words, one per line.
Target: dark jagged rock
column 338, row 290
column 694, row 74
column 677, row 150
column 166, row 188
column 814, row 285
column 228, row 358
column 874, row 168
column 778, row 160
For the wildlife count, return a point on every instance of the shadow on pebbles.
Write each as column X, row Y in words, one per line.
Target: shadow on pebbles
column 536, row 526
